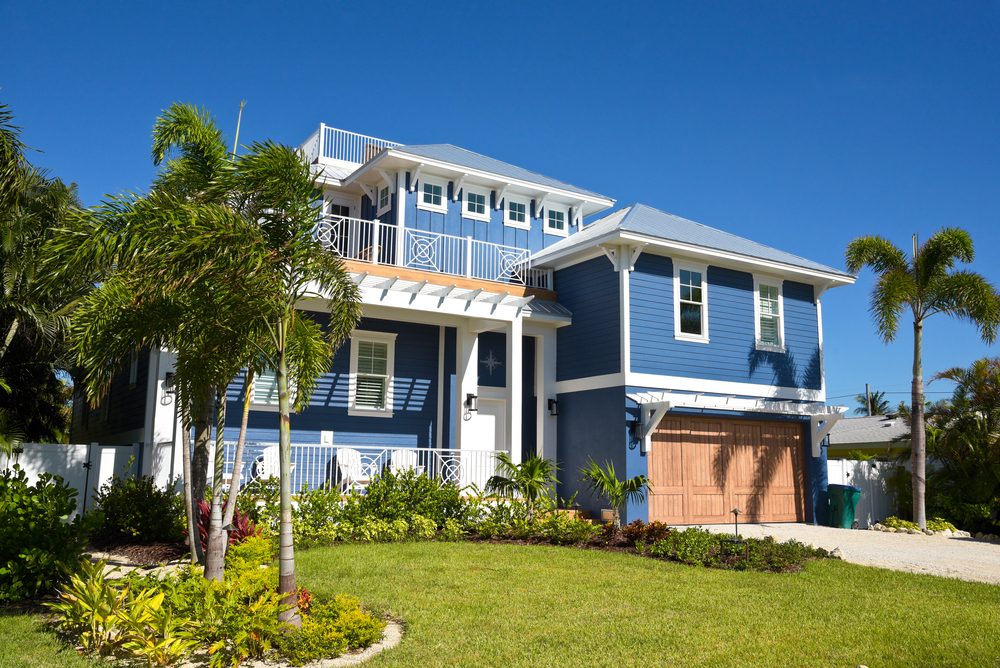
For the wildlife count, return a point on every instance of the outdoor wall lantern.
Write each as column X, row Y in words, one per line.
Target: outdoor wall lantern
column 553, row 407
column 471, row 406
column 168, row 383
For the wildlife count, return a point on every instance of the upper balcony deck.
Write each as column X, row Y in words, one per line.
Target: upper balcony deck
column 333, row 144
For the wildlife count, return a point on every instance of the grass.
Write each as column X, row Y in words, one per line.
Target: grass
column 479, row 604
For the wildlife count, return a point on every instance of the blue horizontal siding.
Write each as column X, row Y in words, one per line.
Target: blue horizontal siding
column 731, row 354
column 590, row 346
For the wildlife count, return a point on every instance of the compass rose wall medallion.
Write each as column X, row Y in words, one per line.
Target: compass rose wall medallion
column 491, row 362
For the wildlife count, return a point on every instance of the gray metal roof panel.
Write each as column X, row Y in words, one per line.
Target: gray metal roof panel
column 548, row 307
column 461, row 157
column 647, row 221
column 875, row 429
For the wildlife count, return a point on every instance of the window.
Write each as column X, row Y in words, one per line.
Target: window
column 476, row 204
column 133, row 368
column 384, row 200
column 770, row 328
column 372, row 359
column 432, row 195
column 555, row 220
column 516, row 213
column 690, row 303
column 265, row 390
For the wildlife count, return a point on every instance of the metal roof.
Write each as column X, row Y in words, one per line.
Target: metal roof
column 875, row 429
column 647, row 221
column 461, row 157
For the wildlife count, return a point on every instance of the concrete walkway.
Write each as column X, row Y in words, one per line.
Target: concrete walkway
column 962, row 558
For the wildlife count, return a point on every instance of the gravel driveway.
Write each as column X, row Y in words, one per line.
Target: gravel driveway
column 962, row 558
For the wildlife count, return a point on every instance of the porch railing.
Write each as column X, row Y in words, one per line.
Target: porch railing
column 336, row 144
column 379, row 243
column 347, row 468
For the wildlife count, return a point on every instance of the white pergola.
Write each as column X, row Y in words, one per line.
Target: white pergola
column 653, row 406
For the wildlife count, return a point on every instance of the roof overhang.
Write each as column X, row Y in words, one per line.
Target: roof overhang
column 557, row 258
column 395, row 159
column 653, row 407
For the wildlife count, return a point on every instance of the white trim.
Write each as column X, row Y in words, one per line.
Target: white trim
column 433, row 181
column 352, row 202
column 819, row 343
column 624, row 318
column 515, row 388
column 379, row 209
column 467, row 190
column 555, row 208
column 388, row 338
column 517, row 199
column 439, row 437
column 703, row 271
column 770, row 281
column 681, row 383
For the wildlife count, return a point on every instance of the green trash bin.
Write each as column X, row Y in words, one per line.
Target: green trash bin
column 843, row 503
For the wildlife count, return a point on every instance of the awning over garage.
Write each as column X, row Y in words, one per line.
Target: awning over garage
column 653, row 406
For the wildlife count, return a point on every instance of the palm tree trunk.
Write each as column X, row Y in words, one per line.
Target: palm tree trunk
column 918, row 432
column 234, row 485
column 215, row 554
column 11, row 331
column 202, row 417
column 286, row 552
column 188, row 495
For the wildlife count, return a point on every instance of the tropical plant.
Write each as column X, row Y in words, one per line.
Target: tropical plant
column 531, row 480
column 926, row 283
column 874, row 403
column 604, row 482
column 135, row 508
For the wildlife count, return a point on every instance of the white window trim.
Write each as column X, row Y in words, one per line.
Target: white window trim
column 390, row 366
column 441, row 208
column 466, row 191
column 526, row 225
column 564, row 232
column 678, row 334
column 273, row 407
column 772, row 281
column 379, row 209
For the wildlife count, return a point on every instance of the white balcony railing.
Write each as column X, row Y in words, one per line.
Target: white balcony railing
column 349, row 468
column 379, row 243
column 336, row 144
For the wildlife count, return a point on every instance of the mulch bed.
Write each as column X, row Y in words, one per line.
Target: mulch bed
column 143, row 553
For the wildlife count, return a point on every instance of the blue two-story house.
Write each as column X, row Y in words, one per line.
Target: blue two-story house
column 507, row 311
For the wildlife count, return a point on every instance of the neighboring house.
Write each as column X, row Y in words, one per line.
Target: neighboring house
column 497, row 319
column 884, row 436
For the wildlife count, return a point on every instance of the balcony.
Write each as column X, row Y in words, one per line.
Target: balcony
column 326, row 144
column 381, row 244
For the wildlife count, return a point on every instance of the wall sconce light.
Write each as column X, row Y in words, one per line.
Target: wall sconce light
column 635, row 430
column 471, row 406
column 168, row 383
column 553, row 407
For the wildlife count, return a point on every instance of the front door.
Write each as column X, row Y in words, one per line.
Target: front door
column 489, row 430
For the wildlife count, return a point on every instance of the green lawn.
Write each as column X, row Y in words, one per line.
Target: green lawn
column 475, row 604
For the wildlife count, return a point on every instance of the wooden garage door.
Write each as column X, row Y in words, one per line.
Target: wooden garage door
column 701, row 468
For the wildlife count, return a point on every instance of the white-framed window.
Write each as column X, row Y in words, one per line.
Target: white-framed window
column 516, row 212
column 433, row 195
column 556, row 220
column 769, row 316
column 384, row 200
column 475, row 203
column 133, row 368
column 690, row 302
column 265, row 391
column 373, row 357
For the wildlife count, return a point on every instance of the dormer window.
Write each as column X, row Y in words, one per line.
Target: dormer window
column 475, row 203
column 384, row 200
column 555, row 220
column 432, row 195
column 516, row 213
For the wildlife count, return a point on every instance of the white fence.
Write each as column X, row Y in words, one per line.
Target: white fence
column 84, row 467
column 877, row 501
column 336, row 144
column 353, row 467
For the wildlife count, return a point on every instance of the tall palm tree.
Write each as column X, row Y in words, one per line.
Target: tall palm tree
column 926, row 284
column 873, row 403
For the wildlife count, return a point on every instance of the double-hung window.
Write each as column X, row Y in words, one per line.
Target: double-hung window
column 384, row 200
column 690, row 303
column 555, row 221
column 516, row 212
column 265, row 391
column 372, row 360
column 476, row 203
column 433, row 195
column 768, row 311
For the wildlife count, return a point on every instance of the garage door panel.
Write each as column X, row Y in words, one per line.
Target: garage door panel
column 706, row 508
column 667, row 507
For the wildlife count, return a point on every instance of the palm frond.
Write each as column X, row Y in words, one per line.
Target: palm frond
column 939, row 254
column 893, row 291
column 876, row 252
column 968, row 296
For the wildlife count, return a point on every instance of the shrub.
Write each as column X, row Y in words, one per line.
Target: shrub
column 422, row 528
column 39, row 545
column 452, row 530
column 316, row 515
column 243, row 526
column 639, row 532
column 565, row 529
column 260, row 501
column 400, row 496
column 252, row 553
column 700, row 547
column 136, row 509
column 897, row 523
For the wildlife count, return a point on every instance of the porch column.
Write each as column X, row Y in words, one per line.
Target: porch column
column 467, row 371
column 545, row 388
column 515, row 374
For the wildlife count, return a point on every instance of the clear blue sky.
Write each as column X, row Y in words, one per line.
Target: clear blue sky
column 801, row 125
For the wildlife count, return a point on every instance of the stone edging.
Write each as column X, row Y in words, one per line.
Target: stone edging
column 947, row 533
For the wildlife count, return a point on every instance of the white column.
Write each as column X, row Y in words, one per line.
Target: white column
column 515, row 375
column 545, row 387
column 467, row 367
column 625, row 326
column 400, row 218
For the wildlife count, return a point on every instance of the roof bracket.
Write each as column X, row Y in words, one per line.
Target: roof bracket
column 417, row 173
column 457, row 188
column 501, row 194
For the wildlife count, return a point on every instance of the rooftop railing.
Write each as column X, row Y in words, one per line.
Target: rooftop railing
column 336, row 144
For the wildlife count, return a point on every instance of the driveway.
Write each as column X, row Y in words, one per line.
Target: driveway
column 962, row 558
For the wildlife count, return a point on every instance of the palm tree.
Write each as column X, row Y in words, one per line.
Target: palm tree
column 875, row 403
column 926, row 283
column 604, row 482
column 530, row 480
